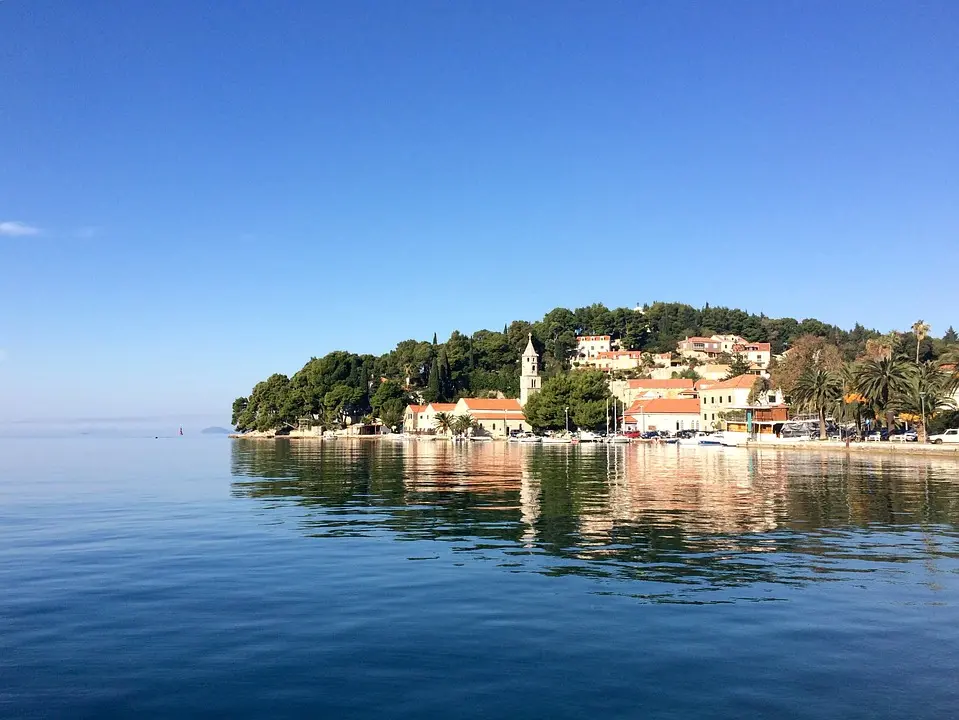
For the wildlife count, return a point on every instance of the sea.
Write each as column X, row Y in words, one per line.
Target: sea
column 199, row 576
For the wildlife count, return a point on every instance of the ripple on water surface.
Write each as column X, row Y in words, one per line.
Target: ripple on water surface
column 363, row 579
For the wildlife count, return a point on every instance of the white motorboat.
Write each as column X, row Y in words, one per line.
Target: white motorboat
column 585, row 436
column 731, row 439
column 480, row 438
column 530, row 439
column 557, row 440
column 617, row 440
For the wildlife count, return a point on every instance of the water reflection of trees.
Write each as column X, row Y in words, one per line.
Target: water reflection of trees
column 654, row 513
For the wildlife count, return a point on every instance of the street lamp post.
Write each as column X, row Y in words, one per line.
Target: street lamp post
column 922, row 402
column 566, row 411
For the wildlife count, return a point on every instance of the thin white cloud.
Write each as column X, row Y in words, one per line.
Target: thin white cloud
column 15, row 228
column 87, row 232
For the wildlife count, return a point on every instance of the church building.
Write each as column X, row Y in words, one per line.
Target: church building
column 529, row 379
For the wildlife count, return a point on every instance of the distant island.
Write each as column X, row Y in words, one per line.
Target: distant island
column 215, row 431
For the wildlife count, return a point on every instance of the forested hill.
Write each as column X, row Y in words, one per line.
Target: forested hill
column 339, row 385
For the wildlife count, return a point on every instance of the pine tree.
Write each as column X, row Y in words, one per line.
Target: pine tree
column 950, row 336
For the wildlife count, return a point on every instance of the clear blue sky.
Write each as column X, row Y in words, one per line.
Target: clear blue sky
column 195, row 194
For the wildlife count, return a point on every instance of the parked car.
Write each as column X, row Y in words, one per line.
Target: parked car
column 905, row 436
column 650, row 435
column 949, row 436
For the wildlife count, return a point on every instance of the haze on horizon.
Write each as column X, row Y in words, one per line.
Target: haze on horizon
column 194, row 196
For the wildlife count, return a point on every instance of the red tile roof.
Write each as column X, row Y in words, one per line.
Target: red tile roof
column 511, row 404
column 416, row 408
column 443, row 407
column 685, row 406
column 742, row 381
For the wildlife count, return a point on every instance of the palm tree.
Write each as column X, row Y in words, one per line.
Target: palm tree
column 462, row 424
column 818, row 390
column 921, row 331
column 852, row 405
column 950, row 364
column 881, row 382
column 929, row 393
column 443, row 422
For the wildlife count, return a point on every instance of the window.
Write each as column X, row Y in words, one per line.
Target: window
column 704, row 416
column 714, row 416
column 729, row 399
column 494, row 426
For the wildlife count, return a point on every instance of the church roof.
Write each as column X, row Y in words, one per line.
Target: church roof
column 530, row 350
column 502, row 405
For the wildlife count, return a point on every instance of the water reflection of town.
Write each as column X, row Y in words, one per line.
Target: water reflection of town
column 651, row 512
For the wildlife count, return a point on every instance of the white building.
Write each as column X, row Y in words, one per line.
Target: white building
column 412, row 417
column 725, row 395
column 426, row 422
column 493, row 416
column 670, row 414
column 629, row 391
column 728, row 343
column 589, row 346
column 612, row 360
column 758, row 354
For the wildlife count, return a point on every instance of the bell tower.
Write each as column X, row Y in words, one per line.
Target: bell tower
column 529, row 380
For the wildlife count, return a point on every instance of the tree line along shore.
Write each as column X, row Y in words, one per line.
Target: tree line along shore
column 859, row 376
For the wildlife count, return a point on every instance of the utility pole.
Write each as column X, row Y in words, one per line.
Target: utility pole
column 922, row 400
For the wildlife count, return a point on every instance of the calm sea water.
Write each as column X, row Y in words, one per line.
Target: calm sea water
column 188, row 577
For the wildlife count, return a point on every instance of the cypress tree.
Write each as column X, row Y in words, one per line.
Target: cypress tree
column 445, row 379
column 433, row 384
column 434, row 338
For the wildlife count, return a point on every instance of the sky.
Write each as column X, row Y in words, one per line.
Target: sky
column 196, row 194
